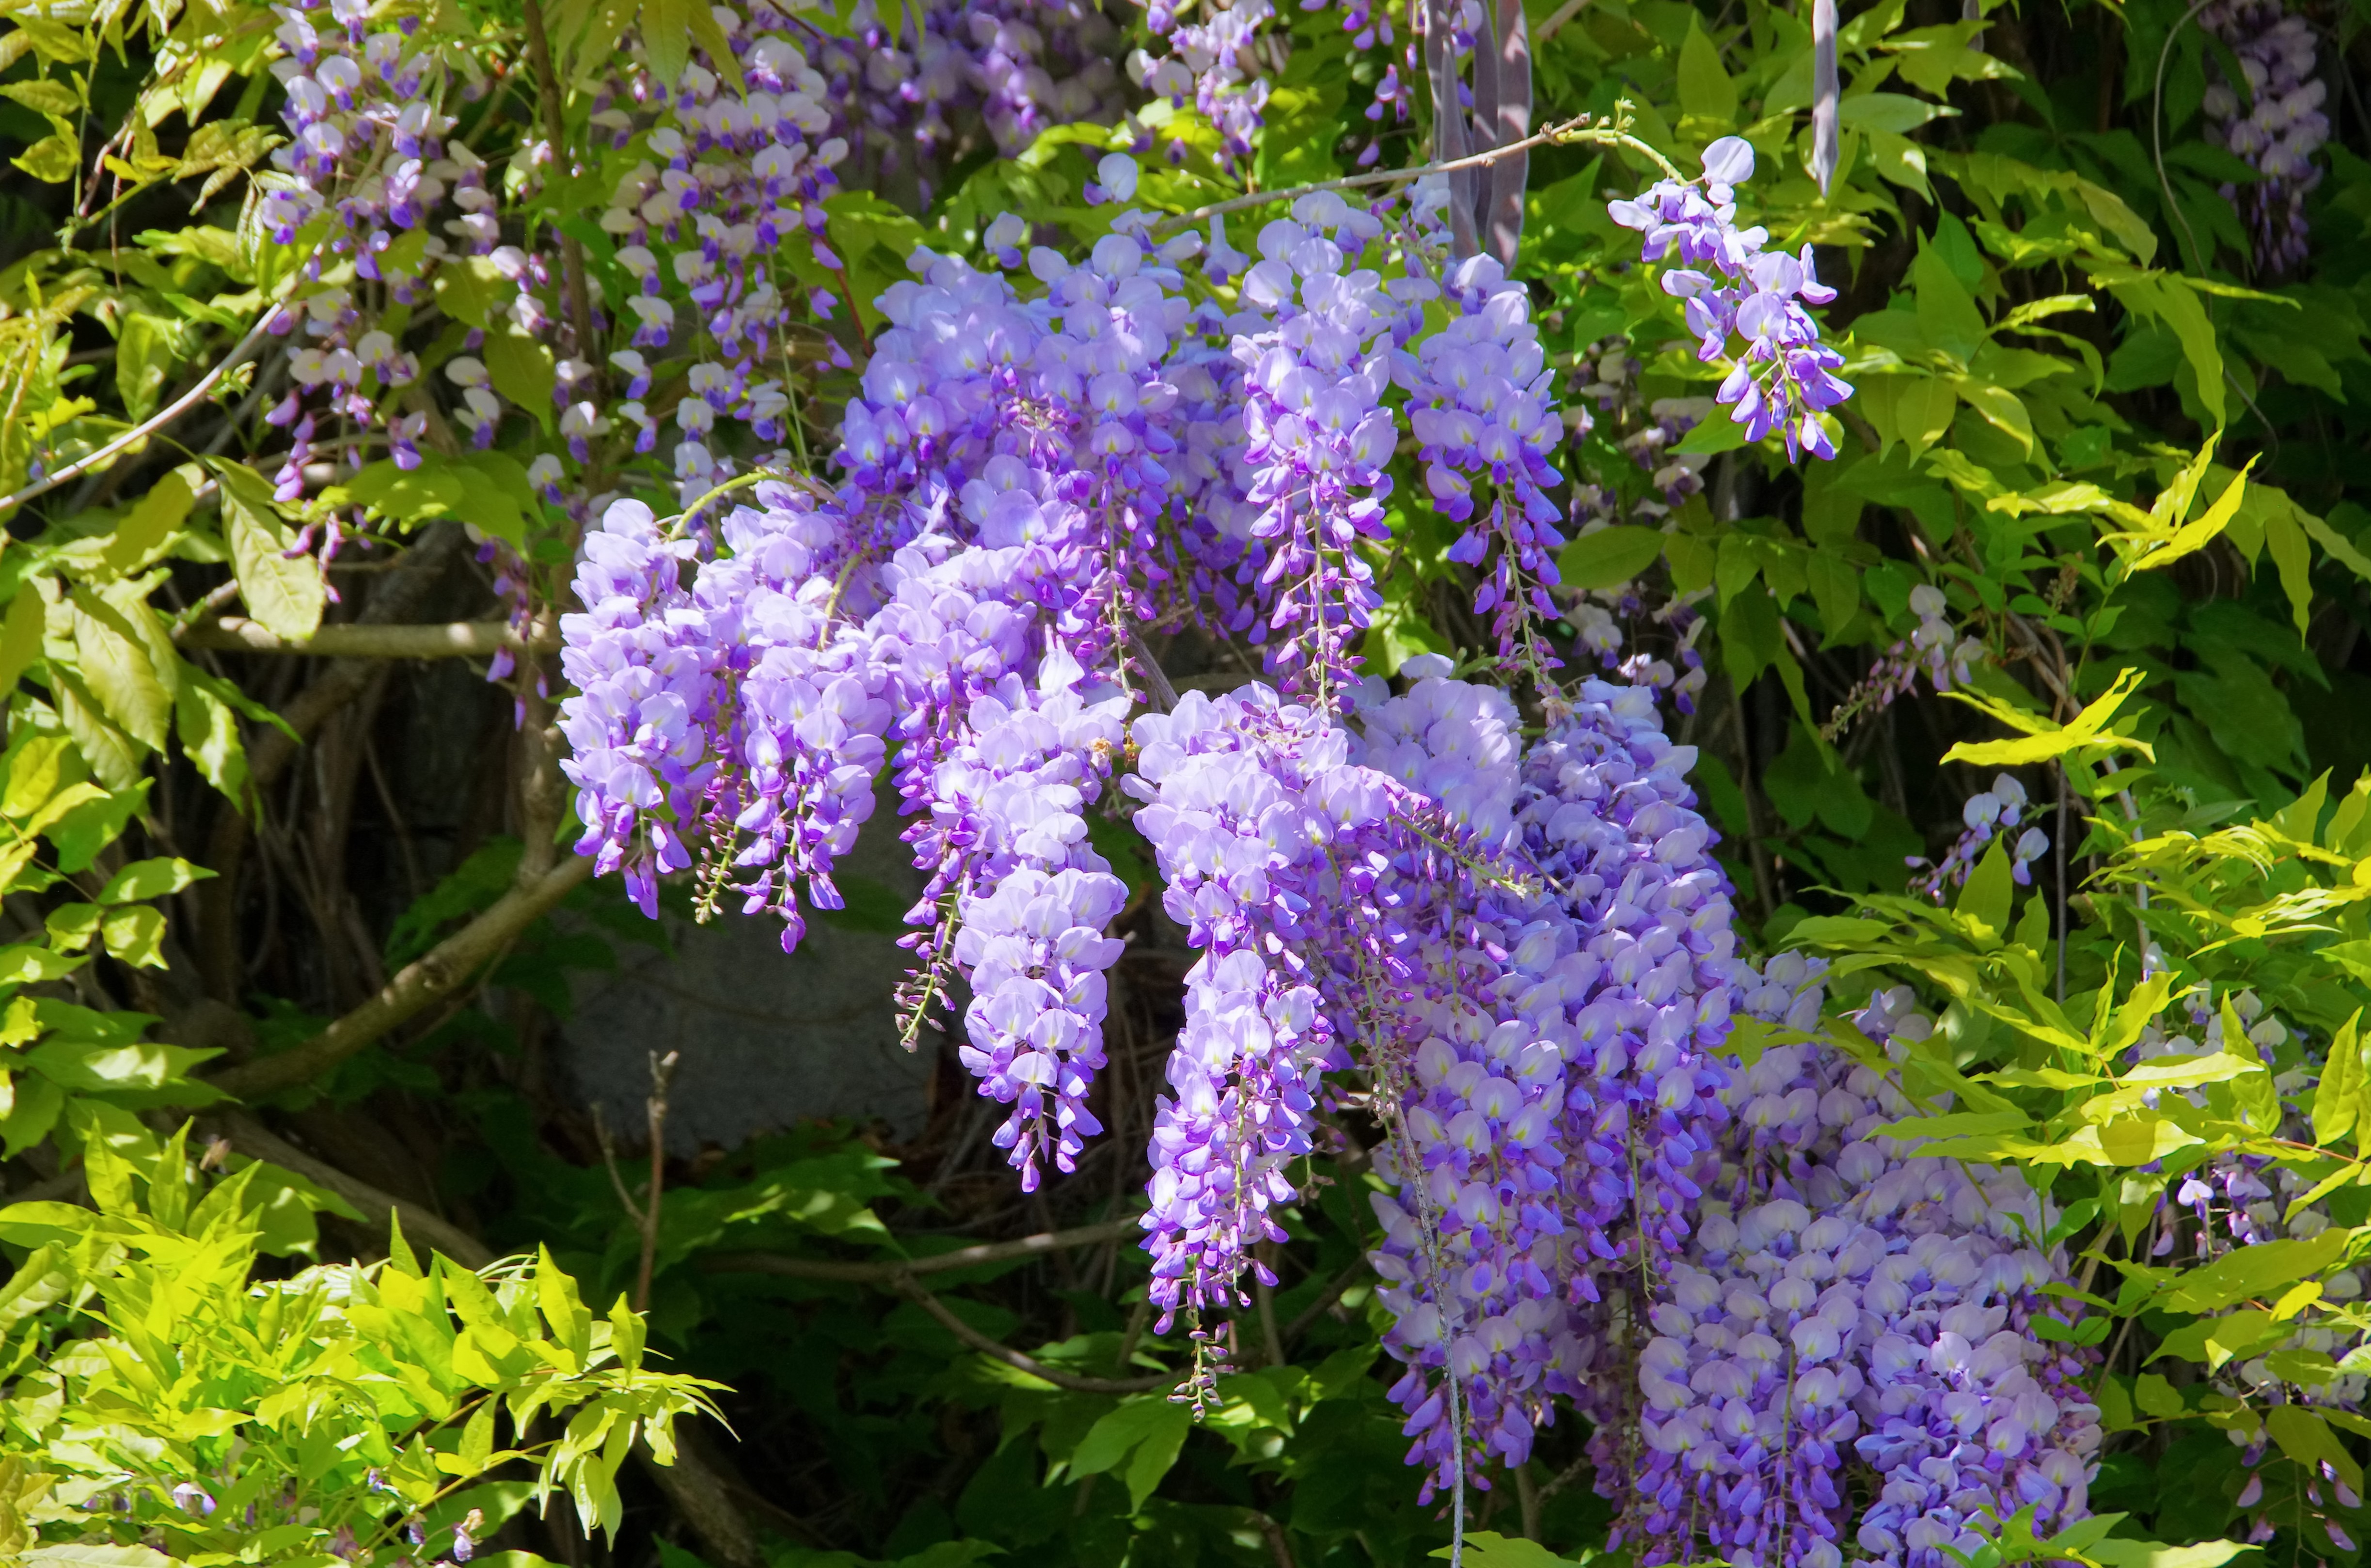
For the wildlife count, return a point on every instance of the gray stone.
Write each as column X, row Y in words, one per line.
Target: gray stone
column 768, row 1039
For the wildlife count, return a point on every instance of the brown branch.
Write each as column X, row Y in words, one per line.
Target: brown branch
column 456, row 640
column 445, row 968
column 1035, row 1246
column 543, row 789
column 906, row 1286
column 256, row 1141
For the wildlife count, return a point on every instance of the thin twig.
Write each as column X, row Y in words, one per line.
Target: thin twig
column 153, row 422
column 1556, row 20
column 2157, row 132
column 1165, row 696
column 889, row 1273
column 1021, row 1360
column 661, row 1073
column 1577, row 129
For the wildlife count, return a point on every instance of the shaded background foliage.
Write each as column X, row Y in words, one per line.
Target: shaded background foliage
column 1993, row 226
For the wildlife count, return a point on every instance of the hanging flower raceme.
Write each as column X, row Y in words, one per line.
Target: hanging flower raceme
column 1988, row 813
column 1317, row 441
column 1934, row 647
column 730, row 176
column 365, row 168
column 1848, row 1306
column 1481, row 403
column 2272, row 119
column 1783, row 378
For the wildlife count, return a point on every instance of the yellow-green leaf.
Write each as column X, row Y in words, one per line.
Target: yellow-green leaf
column 147, row 525
column 115, row 664
column 49, row 160
column 2042, row 745
column 285, row 594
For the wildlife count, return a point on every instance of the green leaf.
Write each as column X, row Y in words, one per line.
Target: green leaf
column 1946, row 312
column 1609, row 555
column 414, row 495
column 627, row 1331
column 2292, row 555
column 146, row 348
column 1915, row 410
column 2000, row 407
column 21, row 635
column 81, row 1554
column 25, row 964
column 2171, row 299
column 285, row 594
column 2306, row 1438
column 1897, row 112
column 93, row 824
column 207, row 727
column 1985, row 898
column 114, row 661
column 2162, row 547
column 1152, row 1429
column 1488, row 1549
column 2117, row 1553
column 134, row 935
column 1706, row 91
column 42, row 1225
column 1712, row 435
column 150, row 881
column 45, row 97
column 522, row 370
column 2252, row 1272
column 2337, row 1099
column 1157, row 1453
column 472, row 292
column 42, row 1282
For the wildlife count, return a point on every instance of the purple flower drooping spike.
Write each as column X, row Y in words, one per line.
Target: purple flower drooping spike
column 1783, row 378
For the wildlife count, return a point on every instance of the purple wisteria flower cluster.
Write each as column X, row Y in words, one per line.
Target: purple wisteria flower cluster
column 917, row 86
column 1515, row 949
column 1988, row 812
column 368, row 169
column 1783, row 376
column 1844, row 1310
column 1935, row 649
column 2273, row 120
column 729, row 182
